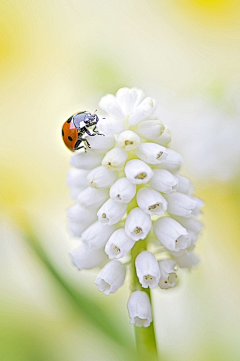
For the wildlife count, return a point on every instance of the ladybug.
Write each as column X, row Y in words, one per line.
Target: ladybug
column 76, row 126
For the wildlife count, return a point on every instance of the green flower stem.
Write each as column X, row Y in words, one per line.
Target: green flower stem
column 145, row 336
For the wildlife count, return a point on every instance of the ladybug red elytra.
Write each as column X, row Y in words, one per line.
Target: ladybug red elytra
column 76, row 126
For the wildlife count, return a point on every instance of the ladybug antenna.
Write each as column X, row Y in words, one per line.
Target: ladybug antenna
column 95, row 111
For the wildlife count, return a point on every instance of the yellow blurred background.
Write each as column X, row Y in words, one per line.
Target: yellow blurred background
column 59, row 57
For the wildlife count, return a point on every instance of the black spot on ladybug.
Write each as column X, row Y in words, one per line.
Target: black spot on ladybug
column 62, row 133
column 69, row 120
column 70, row 138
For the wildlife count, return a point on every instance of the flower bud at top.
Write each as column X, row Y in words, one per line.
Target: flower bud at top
column 111, row 277
column 147, row 269
column 138, row 172
column 100, row 144
column 151, row 201
column 115, row 159
column 171, row 234
column 129, row 99
column 111, row 212
column 101, row 177
column 110, row 105
column 150, row 129
column 122, row 191
column 85, row 160
column 92, row 197
column 163, row 181
column 139, row 309
column 138, row 224
column 119, row 244
column 151, row 153
column 97, row 235
column 143, row 111
column 85, row 258
column 128, row 140
column 182, row 205
column 109, row 126
column 168, row 276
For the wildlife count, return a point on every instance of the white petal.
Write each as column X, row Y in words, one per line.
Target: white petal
column 182, row 205
column 151, row 201
column 122, row 190
column 143, row 111
column 110, row 126
column 74, row 191
column 190, row 224
column 163, row 181
column 129, row 99
column 110, row 105
column 164, row 138
column 76, row 213
column 115, row 159
column 119, row 244
column 97, row 235
column 86, row 160
column 111, row 212
column 85, row 258
column 147, row 269
column 139, row 309
column 184, row 185
column 171, row 234
column 128, row 140
column 186, row 260
column 151, row 153
column 150, row 129
column 138, row 172
column 138, row 224
column 101, row 144
column 168, row 273
column 111, row 277
column 77, row 178
column 100, row 177
column 173, row 161
column 92, row 197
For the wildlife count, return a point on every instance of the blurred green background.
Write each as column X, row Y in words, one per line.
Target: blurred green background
column 59, row 57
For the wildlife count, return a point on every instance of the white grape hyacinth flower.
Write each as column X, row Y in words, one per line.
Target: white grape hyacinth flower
column 129, row 193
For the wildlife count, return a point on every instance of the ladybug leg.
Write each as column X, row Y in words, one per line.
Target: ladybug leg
column 88, row 132
column 97, row 132
column 83, row 140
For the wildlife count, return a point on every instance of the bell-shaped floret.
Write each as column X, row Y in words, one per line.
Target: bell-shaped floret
column 150, row 129
column 101, row 177
column 143, row 111
column 152, row 153
column 85, row 160
column 128, row 140
column 92, row 197
column 163, row 181
column 122, row 190
column 173, row 161
column 97, row 235
column 111, row 277
column 139, row 309
column 183, row 205
column 111, row 212
column 115, row 159
column 168, row 278
column 147, row 269
column 171, row 234
column 138, row 224
column 85, row 258
column 119, row 244
column 138, row 172
column 151, row 201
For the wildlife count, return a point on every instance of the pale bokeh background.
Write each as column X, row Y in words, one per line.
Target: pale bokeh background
column 59, row 57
